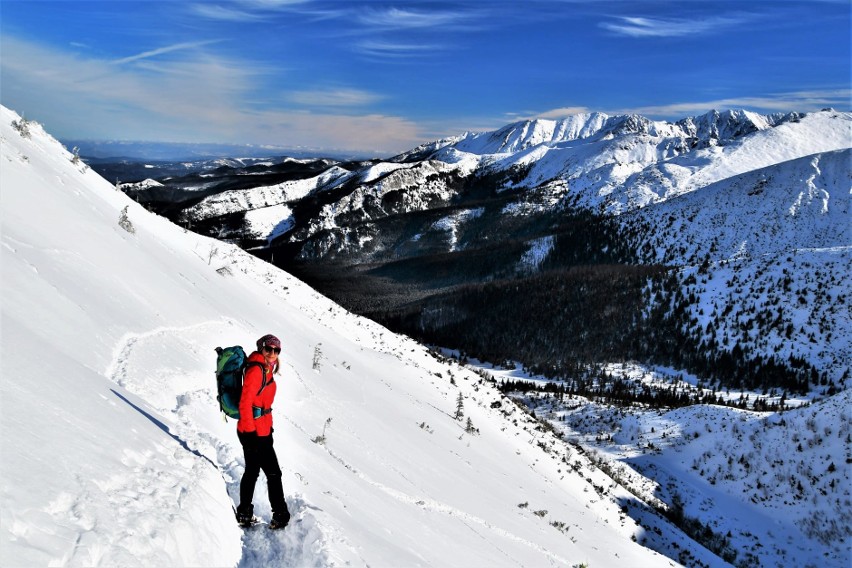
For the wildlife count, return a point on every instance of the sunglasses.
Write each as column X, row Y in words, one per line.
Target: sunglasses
column 272, row 349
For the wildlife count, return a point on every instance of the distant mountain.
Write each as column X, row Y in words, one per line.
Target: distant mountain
column 717, row 244
column 114, row 150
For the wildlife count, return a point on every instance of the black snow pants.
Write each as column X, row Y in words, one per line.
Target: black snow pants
column 260, row 455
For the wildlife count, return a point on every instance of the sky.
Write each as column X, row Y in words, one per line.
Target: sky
column 383, row 77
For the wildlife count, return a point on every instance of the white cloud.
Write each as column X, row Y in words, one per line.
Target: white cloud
column 395, row 49
column 334, row 97
column 218, row 12
column 804, row 101
column 658, row 27
column 196, row 97
column 167, row 49
column 407, row 19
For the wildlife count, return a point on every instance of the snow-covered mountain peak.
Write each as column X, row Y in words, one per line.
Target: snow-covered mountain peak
column 730, row 124
column 522, row 135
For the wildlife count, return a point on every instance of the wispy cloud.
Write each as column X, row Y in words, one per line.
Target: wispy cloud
column 340, row 97
column 396, row 18
column 659, row 27
column 195, row 98
column 225, row 14
column 257, row 10
column 390, row 49
column 167, row 49
column 804, row 101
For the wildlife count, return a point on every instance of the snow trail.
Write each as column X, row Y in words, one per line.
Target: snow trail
column 302, row 542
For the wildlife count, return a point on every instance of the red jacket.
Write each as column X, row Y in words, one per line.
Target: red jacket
column 249, row 397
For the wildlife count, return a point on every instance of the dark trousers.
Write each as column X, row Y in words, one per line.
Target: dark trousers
column 260, row 455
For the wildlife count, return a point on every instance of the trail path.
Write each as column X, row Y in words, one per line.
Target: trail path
column 201, row 441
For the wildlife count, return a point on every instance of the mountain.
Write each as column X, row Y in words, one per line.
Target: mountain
column 137, row 151
column 716, row 244
column 114, row 452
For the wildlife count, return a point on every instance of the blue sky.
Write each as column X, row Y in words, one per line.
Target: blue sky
column 381, row 77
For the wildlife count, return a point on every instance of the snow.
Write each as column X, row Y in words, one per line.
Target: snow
column 775, row 485
column 114, row 453
column 269, row 222
column 144, row 184
column 775, row 244
column 626, row 162
column 536, row 253
column 452, row 223
column 238, row 200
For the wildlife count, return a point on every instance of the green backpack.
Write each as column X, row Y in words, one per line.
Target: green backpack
column 231, row 366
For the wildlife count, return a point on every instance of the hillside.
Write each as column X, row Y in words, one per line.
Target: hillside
column 715, row 244
column 764, row 260
column 760, row 488
column 114, row 452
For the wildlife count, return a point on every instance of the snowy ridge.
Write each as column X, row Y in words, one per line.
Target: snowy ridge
column 652, row 162
column 522, row 135
column 431, row 187
column 124, row 460
column 620, row 163
column 265, row 196
column 797, row 204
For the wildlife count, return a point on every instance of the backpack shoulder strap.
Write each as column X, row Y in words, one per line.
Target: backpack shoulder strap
column 263, row 382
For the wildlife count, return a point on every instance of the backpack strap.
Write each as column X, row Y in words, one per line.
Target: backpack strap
column 263, row 372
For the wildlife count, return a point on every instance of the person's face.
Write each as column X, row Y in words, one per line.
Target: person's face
column 271, row 353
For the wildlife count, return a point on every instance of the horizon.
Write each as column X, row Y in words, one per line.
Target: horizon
column 371, row 78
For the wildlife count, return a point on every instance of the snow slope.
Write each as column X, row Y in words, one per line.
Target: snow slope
column 114, row 453
column 765, row 257
column 773, row 486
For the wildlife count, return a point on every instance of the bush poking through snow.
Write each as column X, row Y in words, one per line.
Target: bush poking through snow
column 124, row 221
column 317, row 362
column 22, row 126
column 321, row 438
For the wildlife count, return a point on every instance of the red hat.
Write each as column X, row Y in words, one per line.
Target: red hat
column 269, row 340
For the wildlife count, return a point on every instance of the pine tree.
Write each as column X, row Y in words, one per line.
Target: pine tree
column 459, row 407
column 124, row 221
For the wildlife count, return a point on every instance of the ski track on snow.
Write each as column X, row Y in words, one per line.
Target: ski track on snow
column 117, row 369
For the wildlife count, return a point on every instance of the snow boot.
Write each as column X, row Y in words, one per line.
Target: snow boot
column 279, row 520
column 245, row 516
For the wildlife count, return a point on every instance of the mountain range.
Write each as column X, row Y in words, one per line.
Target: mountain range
column 717, row 244
column 114, row 452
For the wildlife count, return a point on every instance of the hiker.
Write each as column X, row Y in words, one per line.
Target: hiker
column 254, row 430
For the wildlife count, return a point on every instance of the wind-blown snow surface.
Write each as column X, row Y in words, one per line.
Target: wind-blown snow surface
column 114, row 453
